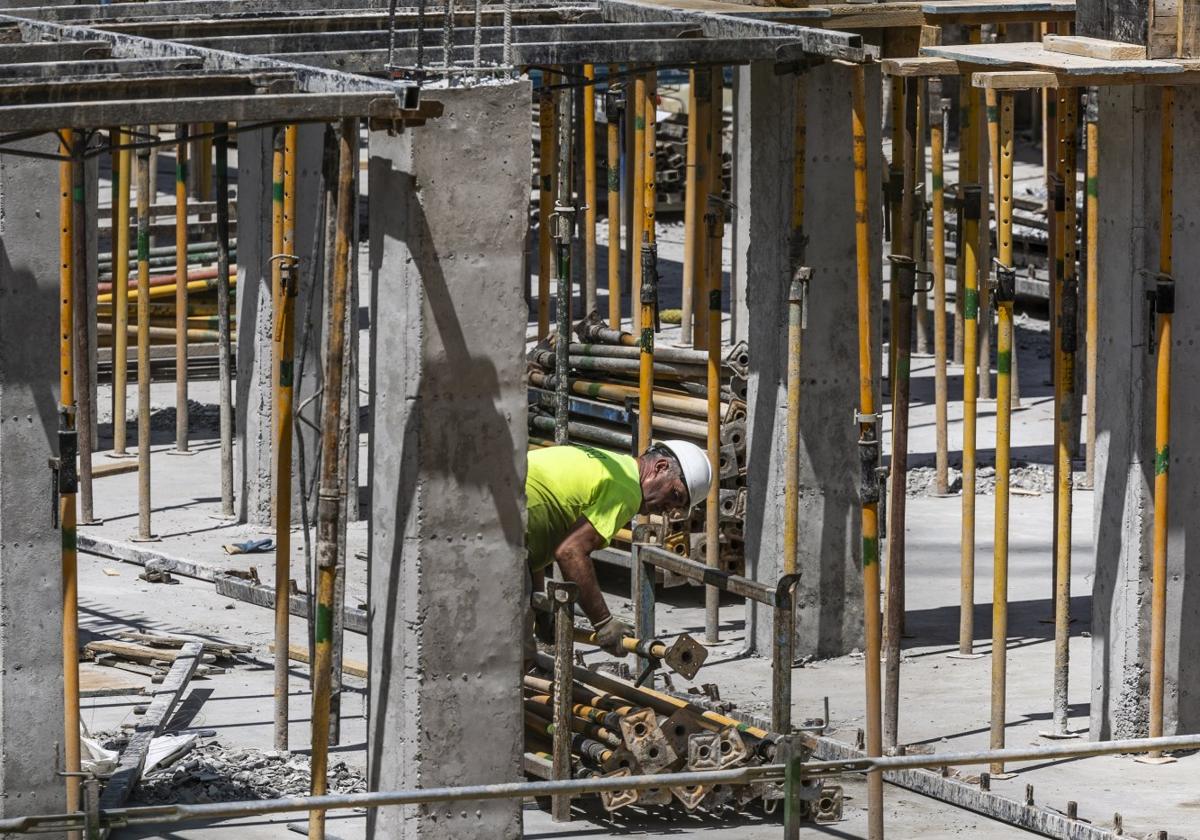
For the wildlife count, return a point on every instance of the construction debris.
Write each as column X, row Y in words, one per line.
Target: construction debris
column 215, row 773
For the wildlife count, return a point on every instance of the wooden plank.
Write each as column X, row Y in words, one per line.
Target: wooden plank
column 920, row 66
column 296, row 653
column 217, row 647
column 149, row 725
column 1094, row 48
column 1015, row 80
column 101, row 469
column 141, row 653
column 99, row 681
column 1017, row 55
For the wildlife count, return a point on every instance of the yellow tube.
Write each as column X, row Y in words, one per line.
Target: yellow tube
column 181, row 290
column 867, row 432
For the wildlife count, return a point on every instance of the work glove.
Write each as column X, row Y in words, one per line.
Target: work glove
column 609, row 634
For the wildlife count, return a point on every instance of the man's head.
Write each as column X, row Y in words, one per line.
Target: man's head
column 675, row 475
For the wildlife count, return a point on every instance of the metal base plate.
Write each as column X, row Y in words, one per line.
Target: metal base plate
column 94, row 521
column 957, row 655
column 181, row 452
column 1055, row 736
column 149, row 539
column 120, row 456
column 1155, row 759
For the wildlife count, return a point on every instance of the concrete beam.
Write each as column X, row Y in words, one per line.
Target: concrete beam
column 30, row 600
column 829, row 596
column 447, row 559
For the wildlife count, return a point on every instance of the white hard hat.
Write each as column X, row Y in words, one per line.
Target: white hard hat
column 697, row 471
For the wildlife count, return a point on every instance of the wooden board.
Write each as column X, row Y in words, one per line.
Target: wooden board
column 921, row 66
column 99, row 681
column 140, row 653
column 1018, row 55
column 133, row 757
column 997, row 11
column 1094, row 48
column 1015, row 80
column 296, row 653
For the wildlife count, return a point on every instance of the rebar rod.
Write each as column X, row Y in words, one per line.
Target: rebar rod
column 1002, row 162
column 224, row 342
column 328, row 494
column 1164, row 305
column 937, row 132
column 120, row 356
column 181, row 291
column 143, row 342
column 85, row 413
column 477, row 46
column 448, row 36
column 66, row 491
column 868, row 451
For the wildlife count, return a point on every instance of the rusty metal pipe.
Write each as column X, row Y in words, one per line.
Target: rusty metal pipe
column 329, row 501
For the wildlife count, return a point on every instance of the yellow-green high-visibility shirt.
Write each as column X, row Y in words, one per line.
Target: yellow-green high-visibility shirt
column 567, row 482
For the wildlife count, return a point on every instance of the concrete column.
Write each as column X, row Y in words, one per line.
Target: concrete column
column 1124, row 501
column 447, row 558
column 829, row 596
column 31, row 699
column 254, row 398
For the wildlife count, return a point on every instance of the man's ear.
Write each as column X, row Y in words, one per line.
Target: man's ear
column 661, row 466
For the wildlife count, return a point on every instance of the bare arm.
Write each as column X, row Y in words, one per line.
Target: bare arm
column 574, row 557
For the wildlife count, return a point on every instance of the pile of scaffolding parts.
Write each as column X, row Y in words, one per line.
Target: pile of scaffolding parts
column 623, row 729
column 603, row 412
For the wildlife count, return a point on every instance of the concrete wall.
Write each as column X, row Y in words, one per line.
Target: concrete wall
column 31, row 693
column 447, row 560
column 254, row 398
column 1124, row 501
column 829, row 596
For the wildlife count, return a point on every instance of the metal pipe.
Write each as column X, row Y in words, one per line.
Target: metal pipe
column 328, row 493
column 692, row 207
column 1002, row 162
column 1091, row 193
column 562, row 595
column 630, row 350
column 224, row 341
column 84, row 318
column 903, row 288
column 937, row 134
column 920, row 244
column 636, row 189
column 120, row 356
column 1164, row 298
column 202, row 280
column 562, row 223
column 589, row 189
column 612, row 391
column 648, row 279
column 1064, row 400
column 704, row 183
column 774, row 773
column 143, row 342
column 181, row 291
column 615, row 113
column 868, row 442
column 715, row 221
column 970, row 203
column 545, row 197
column 283, row 336
column 984, row 252
column 895, row 177
column 68, row 436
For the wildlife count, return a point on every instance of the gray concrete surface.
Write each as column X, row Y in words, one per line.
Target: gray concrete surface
column 30, row 598
column 447, row 460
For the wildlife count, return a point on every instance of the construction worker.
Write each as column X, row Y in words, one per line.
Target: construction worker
column 579, row 496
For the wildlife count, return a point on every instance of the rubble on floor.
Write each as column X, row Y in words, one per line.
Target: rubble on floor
column 1028, row 479
column 214, row 773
